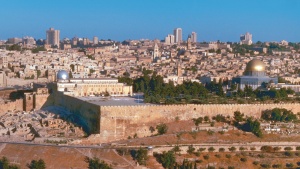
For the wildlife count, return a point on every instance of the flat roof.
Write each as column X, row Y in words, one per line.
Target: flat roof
column 115, row 101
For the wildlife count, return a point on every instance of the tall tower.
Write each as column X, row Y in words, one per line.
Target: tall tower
column 194, row 37
column 95, row 40
column 246, row 39
column 178, row 35
column 52, row 37
column 179, row 71
column 169, row 40
column 189, row 44
column 155, row 51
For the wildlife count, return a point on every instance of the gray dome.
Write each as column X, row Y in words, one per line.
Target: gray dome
column 62, row 75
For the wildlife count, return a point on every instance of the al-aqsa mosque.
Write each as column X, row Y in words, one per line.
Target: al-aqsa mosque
column 254, row 75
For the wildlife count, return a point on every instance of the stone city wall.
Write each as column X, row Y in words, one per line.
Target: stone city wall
column 119, row 122
column 10, row 106
column 88, row 113
column 42, row 100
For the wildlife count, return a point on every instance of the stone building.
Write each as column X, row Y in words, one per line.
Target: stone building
column 254, row 76
column 91, row 86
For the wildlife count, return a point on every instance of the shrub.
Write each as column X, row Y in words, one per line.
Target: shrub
column 232, row 149
column 288, row 148
column 298, row 148
column 230, row 167
column 218, row 155
column 244, row 159
column 288, row 154
column 201, row 149
column 206, row 157
column 221, row 149
column 268, row 149
column 255, row 162
column 277, row 148
column 210, row 132
column 242, row 148
column 228, row 156
column 162, row 128
column 191, row 149
column 276, row 166
column 252, row 148
column 289, row 165
column 265, row 165
column 211, row 149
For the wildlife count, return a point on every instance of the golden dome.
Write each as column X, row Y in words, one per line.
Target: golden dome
column 255, row 65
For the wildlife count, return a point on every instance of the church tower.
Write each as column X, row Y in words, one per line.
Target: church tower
column 155, row 51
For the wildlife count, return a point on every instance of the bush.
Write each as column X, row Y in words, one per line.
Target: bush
column 289, row 165
column 232, row 149
column 244, row 159
column 230, row 167
column 252, row 148
column 265, row 165
column 191, row 149
column 210, row 132
column 242, row 148
column 276, row 166
column 277, row 148
column 298, row 148
column 211, row 149
column 206, row 157
column 201, row 149
column 228, row 156
column 288, row 148
column 255, row 162
column 288, row 154
column 221, row 149
column 162, row 128
column 40, row 164
column 218, row 155
column 267, row 149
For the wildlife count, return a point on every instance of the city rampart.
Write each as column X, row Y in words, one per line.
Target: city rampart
column 88, row 114
column 119, row 122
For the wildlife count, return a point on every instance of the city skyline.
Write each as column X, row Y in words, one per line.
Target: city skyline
column 212, row 21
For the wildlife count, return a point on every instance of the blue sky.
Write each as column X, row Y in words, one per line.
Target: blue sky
column 225, row 20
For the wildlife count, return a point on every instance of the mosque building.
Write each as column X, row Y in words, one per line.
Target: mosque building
column 79, row 87
column 254, row 76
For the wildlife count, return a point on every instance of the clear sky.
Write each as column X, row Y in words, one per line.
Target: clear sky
column 225, row 20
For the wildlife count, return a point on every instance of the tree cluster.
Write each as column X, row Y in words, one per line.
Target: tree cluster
column 278, row 114
column 95, row 163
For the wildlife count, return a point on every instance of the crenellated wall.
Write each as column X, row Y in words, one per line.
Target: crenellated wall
column 112, row 123
column 119, row 122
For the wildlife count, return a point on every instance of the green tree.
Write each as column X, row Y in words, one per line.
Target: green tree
column 4, row 164
column 37, row 164
column 95, row 163
column 162, row 128
column 141, row 156
column 238, row 116
column 191, row 149
column 167, row 159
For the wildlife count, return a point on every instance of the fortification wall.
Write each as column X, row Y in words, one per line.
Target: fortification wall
column 10, row 106
column 119, row 122
column 88, row 113
column 43, row 100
